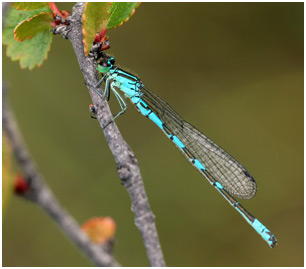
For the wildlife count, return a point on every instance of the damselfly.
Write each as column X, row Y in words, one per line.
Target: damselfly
column 226, row 174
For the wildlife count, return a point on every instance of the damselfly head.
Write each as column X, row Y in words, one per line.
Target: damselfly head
column 107, row 61
column 105, row 64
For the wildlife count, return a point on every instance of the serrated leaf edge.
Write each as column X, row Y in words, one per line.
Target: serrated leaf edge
column 20, row 40
column 18, row 58
column 131, row 14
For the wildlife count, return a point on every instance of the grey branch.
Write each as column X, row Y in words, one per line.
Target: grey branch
column 40, row 194
column 125, row 159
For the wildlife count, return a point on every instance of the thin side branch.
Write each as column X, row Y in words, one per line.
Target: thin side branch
column 40, row 194
column 127, row 165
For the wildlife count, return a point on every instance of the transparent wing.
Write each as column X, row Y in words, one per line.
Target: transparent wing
column 221, row 165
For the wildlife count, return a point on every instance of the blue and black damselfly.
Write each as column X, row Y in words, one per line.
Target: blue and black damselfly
column 226, row 174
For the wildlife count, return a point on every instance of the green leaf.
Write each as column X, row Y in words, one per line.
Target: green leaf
column 31, row 52
column 94, row 20
column 29, row 5
column 13, row 16
column 120, row 13
column 31, row 27
column 100, row 16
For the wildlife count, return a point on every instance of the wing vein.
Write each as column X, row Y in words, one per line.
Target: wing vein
column 221, row 165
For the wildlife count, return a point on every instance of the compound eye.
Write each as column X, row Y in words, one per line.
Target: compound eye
column 112, row 61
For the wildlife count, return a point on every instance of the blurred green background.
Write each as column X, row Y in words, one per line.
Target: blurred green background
column 233, row 70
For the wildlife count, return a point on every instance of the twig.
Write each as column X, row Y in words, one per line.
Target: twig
column 39, row 193
column 125, row 159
